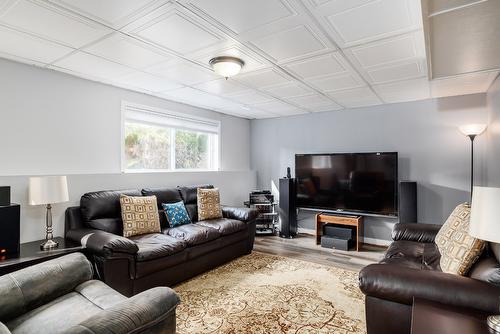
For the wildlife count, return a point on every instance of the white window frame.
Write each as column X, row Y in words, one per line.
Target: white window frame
column 169, row 117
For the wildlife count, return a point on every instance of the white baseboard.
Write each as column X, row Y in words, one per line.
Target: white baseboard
column 371, row 241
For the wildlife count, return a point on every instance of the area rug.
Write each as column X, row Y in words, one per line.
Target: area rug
column 261, row 293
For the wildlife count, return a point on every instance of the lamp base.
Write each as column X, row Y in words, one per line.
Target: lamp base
column 494, row 322
column 49, row 244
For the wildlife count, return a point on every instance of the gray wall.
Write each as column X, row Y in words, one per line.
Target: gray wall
column 52, row 123
column 431, row 149
column 493, row 135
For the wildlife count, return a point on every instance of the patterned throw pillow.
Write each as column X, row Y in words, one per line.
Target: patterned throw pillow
column 209, row 204
column 176, row 213
column 459, row 251
column 139, row 215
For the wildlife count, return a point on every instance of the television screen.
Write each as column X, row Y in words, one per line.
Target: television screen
column 351, row 182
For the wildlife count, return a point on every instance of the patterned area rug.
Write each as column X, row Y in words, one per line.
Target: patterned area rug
column 261, row 293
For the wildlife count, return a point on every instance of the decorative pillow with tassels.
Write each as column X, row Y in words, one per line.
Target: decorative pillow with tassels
column 459, row 251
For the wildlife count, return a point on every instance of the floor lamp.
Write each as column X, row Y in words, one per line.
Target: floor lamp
column 472, row 131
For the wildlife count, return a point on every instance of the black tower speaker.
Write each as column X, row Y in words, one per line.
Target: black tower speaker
column 288, row 210
column 9, row 223
column 4, row 196
column 407, row 202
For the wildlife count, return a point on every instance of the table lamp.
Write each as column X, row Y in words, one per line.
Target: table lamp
column 484, row 225
column 472, row 131
column 47, row 190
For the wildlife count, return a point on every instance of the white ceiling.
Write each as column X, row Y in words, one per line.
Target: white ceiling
column 301, row 55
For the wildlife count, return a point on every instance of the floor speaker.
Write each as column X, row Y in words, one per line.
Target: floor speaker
column 407, row 202
column 9, row 223
column 288, row 208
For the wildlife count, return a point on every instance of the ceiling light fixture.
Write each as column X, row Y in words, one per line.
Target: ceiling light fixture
column 226, row 66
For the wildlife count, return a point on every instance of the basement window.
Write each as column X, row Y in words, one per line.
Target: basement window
column 160, row 140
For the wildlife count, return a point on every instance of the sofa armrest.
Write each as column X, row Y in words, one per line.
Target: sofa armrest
column 244, row 214
column 152, row 308
column 401, row 285
column 102, row 243
column 415, row 232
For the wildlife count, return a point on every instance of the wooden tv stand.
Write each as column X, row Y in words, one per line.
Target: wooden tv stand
column 325, row 218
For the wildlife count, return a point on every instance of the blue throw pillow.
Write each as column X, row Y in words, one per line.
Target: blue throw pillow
column 176, row 213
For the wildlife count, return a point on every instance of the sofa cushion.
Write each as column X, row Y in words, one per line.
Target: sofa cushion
column 139, row 215
column 487, row 270
column 208, row 204
column 225, row 226
column 163, row 195
column 110, row 225
column 412, row 254
column 176, row 213
column 88, row 299
column 459, row 250
column 103, row 204
column 189, row 194
column 193, row 234
column 157, row 245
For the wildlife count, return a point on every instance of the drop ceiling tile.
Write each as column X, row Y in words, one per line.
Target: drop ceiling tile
column 375, row 20
column 290, row 44
column 52, row 23
column 288, row 90
column 221, row 87
column 196, row 97
column 463, row 84
column 115, row 13
column 263, row 78
column 402, row 71
column 148, row 82
column 88, row 64
column 318, row 66
column 314, row 102
column 279, row 108
column 127, row 51
column 251, row 97
column 403, row 91
column 400, row 48
column 178, row 33
column 337, row 6
column 29, row 47
column 183, row 72
column 354, row 98
column 252, row 62
column 243, row 15
column 337, row 82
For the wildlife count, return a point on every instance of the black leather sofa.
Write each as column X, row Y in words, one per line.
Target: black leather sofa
column 131, row 265
column 410, row 269
column 60, row 296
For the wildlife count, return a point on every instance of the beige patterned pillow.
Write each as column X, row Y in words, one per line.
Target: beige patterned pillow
column 209, row 204
column 139, row 215
column 458, row 249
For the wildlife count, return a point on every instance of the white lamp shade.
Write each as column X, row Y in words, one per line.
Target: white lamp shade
column 472, row 129
column 227, row 68
column 485, row 214
column 48, row 190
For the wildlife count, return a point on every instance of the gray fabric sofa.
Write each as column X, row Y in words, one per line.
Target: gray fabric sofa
column 60, row 296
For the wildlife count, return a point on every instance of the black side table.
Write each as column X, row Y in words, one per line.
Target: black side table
column 31, row 254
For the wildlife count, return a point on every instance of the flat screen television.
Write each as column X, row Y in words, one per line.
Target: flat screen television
column 348, row 182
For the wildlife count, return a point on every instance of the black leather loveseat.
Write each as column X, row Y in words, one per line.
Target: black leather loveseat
column 411, row 269
column 131, row 265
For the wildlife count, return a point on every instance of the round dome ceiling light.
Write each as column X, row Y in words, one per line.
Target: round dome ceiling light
column 226, row 66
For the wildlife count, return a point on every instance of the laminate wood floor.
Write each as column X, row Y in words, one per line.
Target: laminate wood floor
column 303, row 247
